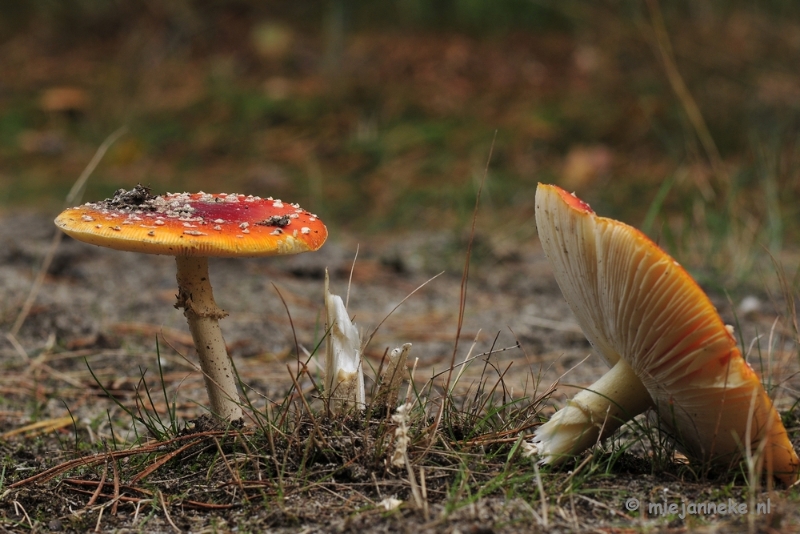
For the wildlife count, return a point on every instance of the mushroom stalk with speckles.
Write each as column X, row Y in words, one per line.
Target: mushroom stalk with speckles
column 197, row 300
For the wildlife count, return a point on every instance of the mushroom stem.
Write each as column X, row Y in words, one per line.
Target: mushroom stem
column 197, row 300
column 606, row 405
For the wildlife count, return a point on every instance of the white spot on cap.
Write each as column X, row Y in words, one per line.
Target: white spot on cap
column 245, row 231
column 219, row 221
column 217, row 227
column 159, row 222
column 193, row 232
column 305, row 230
column 116, row 228
column 277, row 204
column 294, row 234
column 276, row 231
column 151, row 233
column 86, row 218
column 244, row 225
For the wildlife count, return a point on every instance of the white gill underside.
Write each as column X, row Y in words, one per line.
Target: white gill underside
column 631, row 298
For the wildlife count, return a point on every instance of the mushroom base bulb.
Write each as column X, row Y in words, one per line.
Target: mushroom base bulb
column 592, row 415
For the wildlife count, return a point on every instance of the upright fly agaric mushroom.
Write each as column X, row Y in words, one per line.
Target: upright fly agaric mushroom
column 665, row 342
column 194, row 227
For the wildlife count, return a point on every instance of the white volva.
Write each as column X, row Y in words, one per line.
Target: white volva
column 344, row 376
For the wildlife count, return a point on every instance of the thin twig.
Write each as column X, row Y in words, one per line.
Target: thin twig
column 18, row 506
column 166, row 511
column 350, row 280
column 236, row 478
column 95, row 459
column 99, row 486
column 116, row 486
column 162, row 460
column 99, row 517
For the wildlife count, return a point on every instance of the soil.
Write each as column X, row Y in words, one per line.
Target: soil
column 103, row 319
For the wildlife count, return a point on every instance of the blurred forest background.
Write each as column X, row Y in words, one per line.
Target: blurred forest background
column 682, row 118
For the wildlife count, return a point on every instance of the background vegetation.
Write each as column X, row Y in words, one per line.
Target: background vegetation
column 381, row 116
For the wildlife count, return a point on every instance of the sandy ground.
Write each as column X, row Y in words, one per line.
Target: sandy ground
column 100, row 315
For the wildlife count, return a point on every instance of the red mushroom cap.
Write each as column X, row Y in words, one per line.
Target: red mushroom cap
column 198, row 224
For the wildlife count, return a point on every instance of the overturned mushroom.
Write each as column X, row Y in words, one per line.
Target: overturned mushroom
column 194, row 227
column 666, row 345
